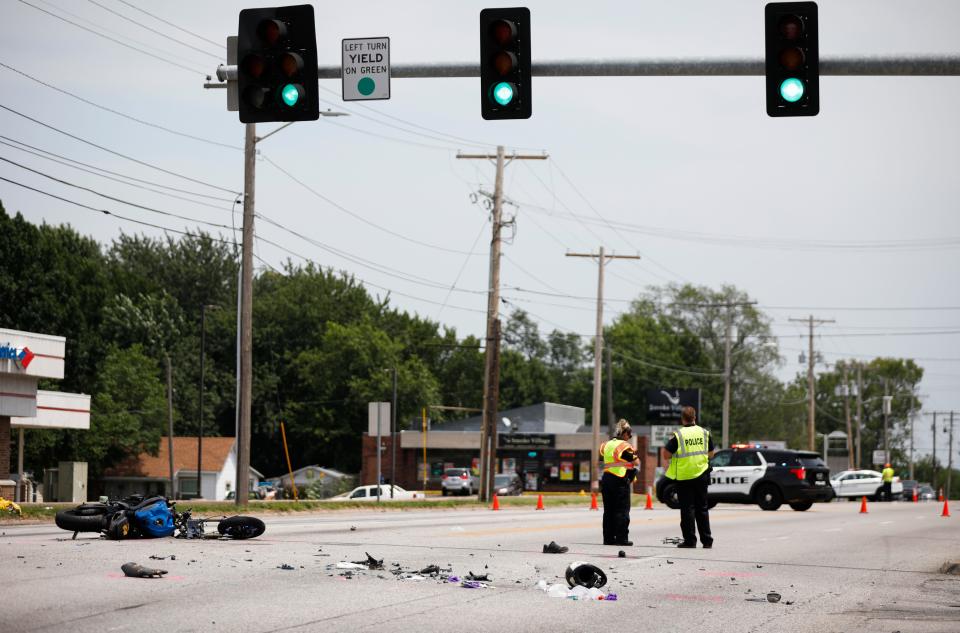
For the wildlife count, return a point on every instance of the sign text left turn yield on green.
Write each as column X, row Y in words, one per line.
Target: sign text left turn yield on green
column 365, row 68
column 277, row 65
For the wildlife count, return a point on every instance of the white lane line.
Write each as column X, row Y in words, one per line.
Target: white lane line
column 834, row 530
column 885, row 522
column 781, row 538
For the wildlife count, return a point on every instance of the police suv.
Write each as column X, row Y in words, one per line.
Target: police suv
column 768, row 477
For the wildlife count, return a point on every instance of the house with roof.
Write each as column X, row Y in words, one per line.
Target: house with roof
column 150, row 474
column 330, row 480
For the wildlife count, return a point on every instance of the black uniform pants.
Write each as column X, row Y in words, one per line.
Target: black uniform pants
column 616, row 508
column 887, row 491
column 694, row 512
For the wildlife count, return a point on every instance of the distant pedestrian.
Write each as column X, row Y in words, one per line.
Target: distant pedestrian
column 691, row 448
column 619, row 470
column 887, row 476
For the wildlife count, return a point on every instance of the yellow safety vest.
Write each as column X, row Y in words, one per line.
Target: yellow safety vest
column 611, row 451
column 692, row 457
column 887, row 475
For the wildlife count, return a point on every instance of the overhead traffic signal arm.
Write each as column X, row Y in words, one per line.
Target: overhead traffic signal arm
column 277, row 65
column 792, row 59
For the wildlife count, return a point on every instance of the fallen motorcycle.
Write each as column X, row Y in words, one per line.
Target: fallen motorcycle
column 151, row 517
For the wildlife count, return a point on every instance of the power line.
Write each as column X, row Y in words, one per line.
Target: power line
column 153, row 30
column 667, row 367
column 864, row 308
column 463, row 266
column 116, row 41
column 107, row 171
column 103, row 195
column 111, row 213
column 111, row 178
column 116, row 153
column 155, row 17
column 359, row 217
column 117, row 112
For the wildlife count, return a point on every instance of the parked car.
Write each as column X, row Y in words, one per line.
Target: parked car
column 459, row 480
column 864, row 483
column 764, row 476
column 909, row 485
column 253, row 494
column 926, row 493
column 369, row 493
column 508, row 484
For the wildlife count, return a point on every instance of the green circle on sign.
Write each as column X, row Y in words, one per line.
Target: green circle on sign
column 366, row 86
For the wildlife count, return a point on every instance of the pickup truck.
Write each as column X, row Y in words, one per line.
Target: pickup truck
column 369, row 493
column 864, row 483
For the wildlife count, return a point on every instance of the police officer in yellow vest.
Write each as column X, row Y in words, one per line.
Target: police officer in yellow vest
column 619, row 470
column 887, row 476
column 692, row 448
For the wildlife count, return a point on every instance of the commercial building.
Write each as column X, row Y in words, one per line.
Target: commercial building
column 547, row 444
column 25, row 358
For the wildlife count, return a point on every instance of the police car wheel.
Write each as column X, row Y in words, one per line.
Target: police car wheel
column 802, row 506
column 768, row 498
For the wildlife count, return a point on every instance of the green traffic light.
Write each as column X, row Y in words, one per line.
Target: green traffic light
column 290, row 94
column 503, row 93
column 791, row 89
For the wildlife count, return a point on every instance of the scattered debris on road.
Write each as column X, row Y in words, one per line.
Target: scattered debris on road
column 672, row 540
column 554, row 548
column 621, row 554
column 578, row 592
column 133, row 570
column 482, row 577
column 951, row 568
column 285, row 566
column 585, row 575
column 773, row 596
column 370, row 563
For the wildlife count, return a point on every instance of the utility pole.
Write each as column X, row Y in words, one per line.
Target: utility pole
column 611, row 416
column 246, row 317
column 886, row 418
column 950, row 458
column 934, row 449
column 173, row 481
column 846, row 412
column 811, row 383
column 859, row 410
column 491, row 382
column 597, row 360
column 727, row 360
column 393, row 434
column 912, row 419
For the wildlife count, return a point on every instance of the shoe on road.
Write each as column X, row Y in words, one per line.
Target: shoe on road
column 686, row 545
column 708, row 545
column 553, row 548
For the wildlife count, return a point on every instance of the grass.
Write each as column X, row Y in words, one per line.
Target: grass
column 44, row 512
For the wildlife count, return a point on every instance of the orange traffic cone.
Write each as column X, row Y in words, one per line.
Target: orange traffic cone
column 539, row 502
column 593, row 501
column 863, row 505
column 649, row 505
column 915, row 499
column 946, row 508
column 496, row 503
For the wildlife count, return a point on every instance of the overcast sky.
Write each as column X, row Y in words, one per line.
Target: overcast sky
column 669, row 168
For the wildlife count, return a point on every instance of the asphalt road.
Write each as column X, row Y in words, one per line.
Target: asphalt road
column 837, row 570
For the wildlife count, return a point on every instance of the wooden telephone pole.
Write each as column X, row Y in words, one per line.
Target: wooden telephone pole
column 602, row 258
column 491, row 381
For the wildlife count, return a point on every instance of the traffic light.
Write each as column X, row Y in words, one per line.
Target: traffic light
column 277, row 65
column 505, row 63
column 793, row 59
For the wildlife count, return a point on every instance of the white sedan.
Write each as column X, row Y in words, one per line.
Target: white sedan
column 863, row 483
column 369, row 493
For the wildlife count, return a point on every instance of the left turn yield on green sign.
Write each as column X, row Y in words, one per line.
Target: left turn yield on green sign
column 366, row 69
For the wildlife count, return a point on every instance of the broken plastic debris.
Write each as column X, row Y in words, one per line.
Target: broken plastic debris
column 473, row 584
column 370, row 563
column 134, row 570
column 472, row 576
column 611, row 596
column 285, row 566
column 672, row 540
column 453, row 579
column 773, row 596
column 621, row 554
column 346, row 565
column 430, row 569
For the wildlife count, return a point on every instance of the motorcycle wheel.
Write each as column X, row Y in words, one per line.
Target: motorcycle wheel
column 241, row 527
column 74, row 521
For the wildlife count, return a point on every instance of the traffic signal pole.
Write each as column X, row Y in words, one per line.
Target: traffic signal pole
column 246, row 316
column 812, row 383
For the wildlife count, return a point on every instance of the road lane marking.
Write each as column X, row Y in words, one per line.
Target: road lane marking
column 834, row 530
column 885, row 522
